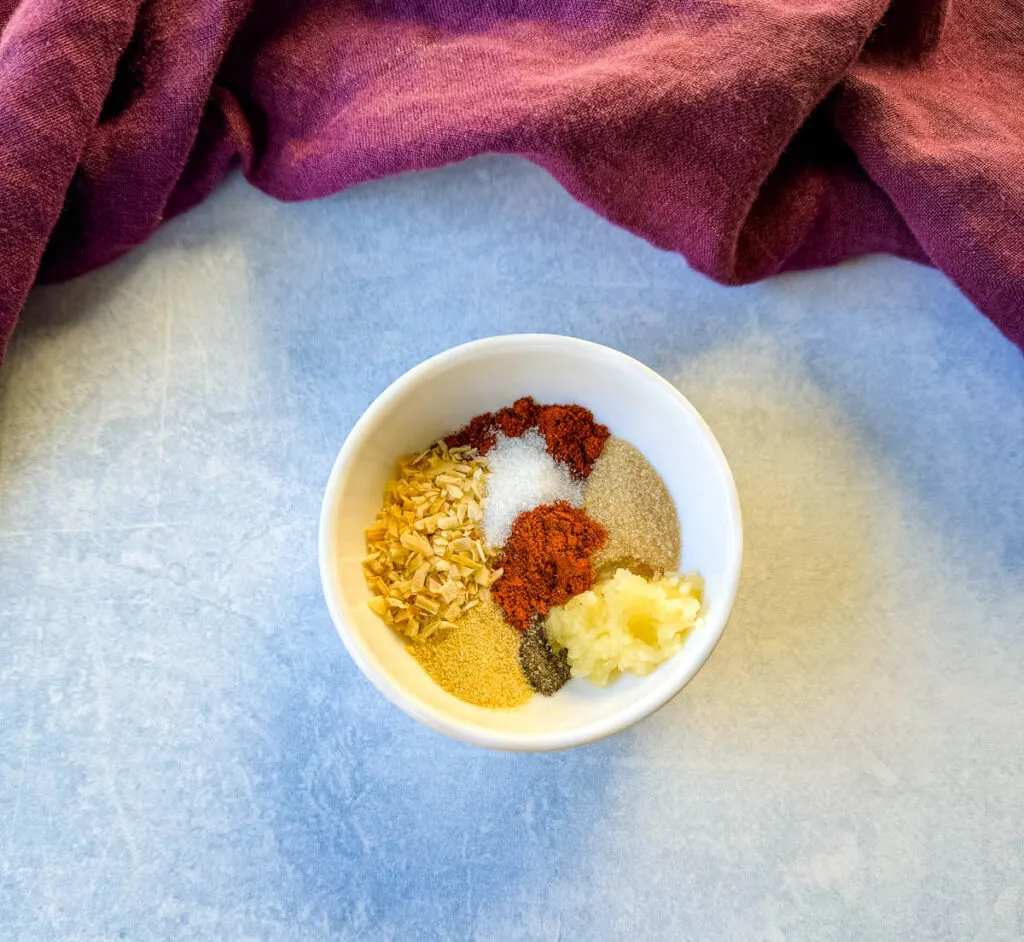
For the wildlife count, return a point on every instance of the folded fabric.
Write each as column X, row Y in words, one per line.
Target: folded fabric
column 751, row 136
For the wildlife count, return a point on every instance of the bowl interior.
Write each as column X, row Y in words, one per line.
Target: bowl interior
column 440, row 396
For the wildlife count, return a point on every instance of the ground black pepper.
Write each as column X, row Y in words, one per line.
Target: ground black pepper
column 545, row 671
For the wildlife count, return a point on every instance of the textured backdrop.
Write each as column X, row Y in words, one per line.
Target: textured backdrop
column 187, row 752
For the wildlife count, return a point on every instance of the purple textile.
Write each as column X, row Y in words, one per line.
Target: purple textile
column 752, row 136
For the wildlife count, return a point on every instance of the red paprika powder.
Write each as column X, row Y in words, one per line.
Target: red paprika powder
column 546, row 561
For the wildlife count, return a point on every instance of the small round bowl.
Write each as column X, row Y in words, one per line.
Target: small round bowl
column 441, row 395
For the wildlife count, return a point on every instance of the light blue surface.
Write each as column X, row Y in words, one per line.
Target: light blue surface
column 186, row 751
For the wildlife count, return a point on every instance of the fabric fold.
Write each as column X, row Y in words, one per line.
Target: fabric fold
column 752, row 137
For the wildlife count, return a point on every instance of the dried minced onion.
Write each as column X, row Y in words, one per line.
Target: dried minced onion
column 426, row 561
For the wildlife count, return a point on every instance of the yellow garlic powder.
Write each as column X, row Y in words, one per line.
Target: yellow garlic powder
column 477, row 659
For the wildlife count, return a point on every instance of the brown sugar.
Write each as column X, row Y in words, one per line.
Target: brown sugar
column 630, row 500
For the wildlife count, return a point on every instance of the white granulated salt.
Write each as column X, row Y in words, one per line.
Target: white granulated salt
column 521, row 476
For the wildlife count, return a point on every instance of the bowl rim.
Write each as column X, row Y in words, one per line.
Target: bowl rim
column 467, row 731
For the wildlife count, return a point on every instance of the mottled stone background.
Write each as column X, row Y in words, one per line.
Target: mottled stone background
column 187, row 752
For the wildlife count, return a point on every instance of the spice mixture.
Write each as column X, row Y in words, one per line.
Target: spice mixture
column 528, row 547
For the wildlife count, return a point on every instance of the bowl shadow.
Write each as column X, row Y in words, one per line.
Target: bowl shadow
column 799, row 626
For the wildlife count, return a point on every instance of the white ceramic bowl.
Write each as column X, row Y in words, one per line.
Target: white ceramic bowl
column 441, row 395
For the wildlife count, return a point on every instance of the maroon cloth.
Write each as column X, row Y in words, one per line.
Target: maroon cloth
column 752, row 136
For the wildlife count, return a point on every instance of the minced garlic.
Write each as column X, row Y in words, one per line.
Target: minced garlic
column 625, row 624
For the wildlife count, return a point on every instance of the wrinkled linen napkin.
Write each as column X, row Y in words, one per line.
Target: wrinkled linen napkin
column 751, row 136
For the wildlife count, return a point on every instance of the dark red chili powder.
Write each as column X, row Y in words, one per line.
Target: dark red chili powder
column 518, row 418
column 546, row 561
column 572, row 435
column 479, row 434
